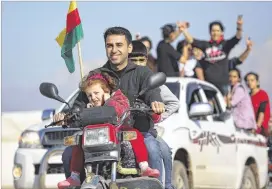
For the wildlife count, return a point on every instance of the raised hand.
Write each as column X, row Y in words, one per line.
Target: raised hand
column 182, row 25
column 240, row 21
column 138, row 36
column 249, row 43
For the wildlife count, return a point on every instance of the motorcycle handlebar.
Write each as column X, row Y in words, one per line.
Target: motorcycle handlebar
column 139, row 109
column 66, row 118
column 53, row 123
column 69, row 115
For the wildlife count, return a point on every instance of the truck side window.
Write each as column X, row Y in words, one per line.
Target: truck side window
column 195, row 97
column 192, row 94
column 214, row 102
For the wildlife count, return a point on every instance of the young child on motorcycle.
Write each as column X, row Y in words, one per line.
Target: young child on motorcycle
column 99, row 90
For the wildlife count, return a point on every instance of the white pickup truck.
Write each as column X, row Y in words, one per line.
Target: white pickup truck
column 208, row 151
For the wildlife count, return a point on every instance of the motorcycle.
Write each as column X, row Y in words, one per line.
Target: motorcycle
column 106, row 148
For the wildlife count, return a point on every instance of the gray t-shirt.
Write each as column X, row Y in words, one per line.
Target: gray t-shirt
column 170, row 100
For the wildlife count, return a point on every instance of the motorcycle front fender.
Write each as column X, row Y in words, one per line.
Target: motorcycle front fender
column 96, row 182
column 139, row 183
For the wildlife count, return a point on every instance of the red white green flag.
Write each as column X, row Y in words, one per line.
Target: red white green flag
column 70, row 36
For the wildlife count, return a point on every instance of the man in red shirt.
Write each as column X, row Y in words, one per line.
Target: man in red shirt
column 260, row 102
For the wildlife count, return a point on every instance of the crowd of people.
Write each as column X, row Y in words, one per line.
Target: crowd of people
column 208, row 60
column 130, row 63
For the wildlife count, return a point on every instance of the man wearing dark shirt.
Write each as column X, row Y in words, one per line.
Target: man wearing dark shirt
column 215, row 64
column 167, row 55
column 233, row 62
column 132, row 79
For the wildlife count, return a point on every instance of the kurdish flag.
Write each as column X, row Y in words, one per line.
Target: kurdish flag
column 70, row 36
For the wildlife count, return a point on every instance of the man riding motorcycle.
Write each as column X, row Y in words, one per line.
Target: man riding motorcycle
column 101, row 91
column 132, row 79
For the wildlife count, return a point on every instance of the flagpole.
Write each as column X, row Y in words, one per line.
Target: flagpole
column 80, row 60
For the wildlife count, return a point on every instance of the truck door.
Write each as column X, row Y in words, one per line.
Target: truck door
column 223, row 141
column 202, row 152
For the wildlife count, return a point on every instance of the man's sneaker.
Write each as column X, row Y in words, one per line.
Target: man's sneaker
column 151, row 172
column 68, row 182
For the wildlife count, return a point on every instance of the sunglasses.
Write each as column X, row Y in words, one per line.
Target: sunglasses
column 141, row 60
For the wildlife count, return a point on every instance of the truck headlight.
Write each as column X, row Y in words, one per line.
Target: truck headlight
column 96, row 136
column 30, row 139
column 17, row 171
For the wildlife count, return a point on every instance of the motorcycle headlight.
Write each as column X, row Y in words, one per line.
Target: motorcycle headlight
column 30, row 139
column 96, row 136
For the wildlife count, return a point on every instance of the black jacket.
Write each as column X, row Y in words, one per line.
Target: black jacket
column 131, row 82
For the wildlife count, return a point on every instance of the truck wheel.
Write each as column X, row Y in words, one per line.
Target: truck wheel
column 267, row 183
column 249, row 181
column 179, row 176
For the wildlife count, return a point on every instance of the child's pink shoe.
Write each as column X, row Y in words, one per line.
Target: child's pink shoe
column 68, row 182
column 151, row 172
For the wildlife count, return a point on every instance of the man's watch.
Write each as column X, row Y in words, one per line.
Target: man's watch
column 239, row 29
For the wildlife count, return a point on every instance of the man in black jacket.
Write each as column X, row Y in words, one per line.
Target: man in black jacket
column 132, row 79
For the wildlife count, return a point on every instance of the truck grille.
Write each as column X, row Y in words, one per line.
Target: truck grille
column 52, row 169
column 55, row 138
column 55, row 169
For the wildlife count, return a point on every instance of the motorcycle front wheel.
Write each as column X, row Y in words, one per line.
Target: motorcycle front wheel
column 99, row 186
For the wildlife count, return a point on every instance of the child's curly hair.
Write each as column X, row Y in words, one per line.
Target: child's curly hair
column 107, row 82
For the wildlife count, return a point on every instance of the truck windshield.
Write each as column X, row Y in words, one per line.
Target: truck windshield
column 174, row 88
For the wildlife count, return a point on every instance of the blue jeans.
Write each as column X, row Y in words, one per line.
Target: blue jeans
column 167, row 161
column 66, row 159
column 154, row 153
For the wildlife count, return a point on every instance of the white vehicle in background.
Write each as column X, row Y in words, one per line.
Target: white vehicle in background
column 37, row 145
column 207, row 149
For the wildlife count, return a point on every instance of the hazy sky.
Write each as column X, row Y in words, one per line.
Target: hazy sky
column 30, row 54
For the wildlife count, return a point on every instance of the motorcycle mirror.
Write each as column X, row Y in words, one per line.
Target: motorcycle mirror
column 50, row 90
column 154, row 81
